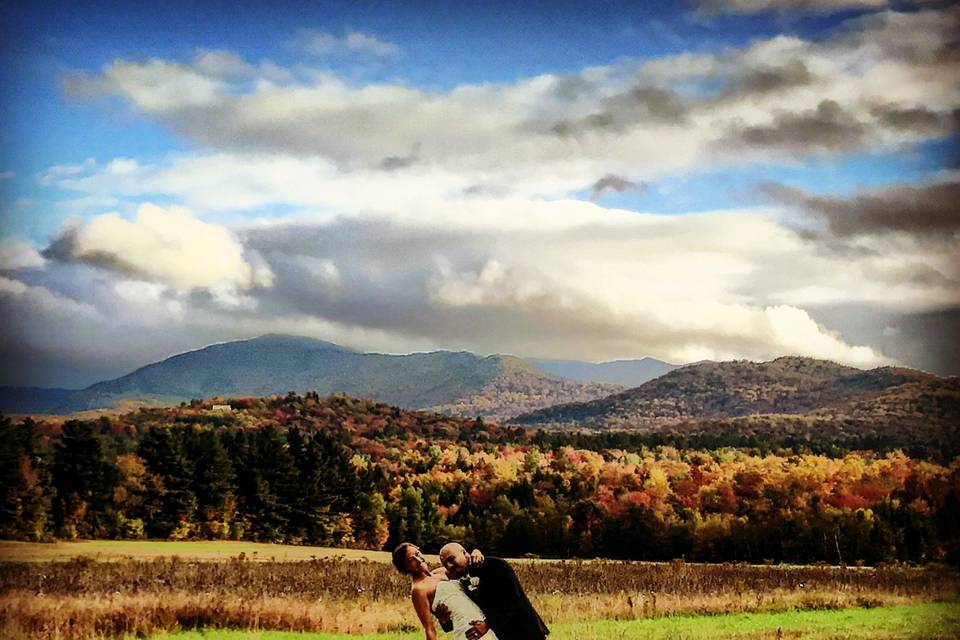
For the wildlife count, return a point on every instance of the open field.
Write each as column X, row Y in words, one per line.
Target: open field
column 86, row 598
column 933, row 620
column 107, row 550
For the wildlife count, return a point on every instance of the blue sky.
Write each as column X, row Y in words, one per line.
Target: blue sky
column 510, row 141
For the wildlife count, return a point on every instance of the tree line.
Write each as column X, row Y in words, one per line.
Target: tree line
column 342, row 472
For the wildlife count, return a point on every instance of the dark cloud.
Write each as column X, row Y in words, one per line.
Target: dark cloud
column 397, row 162
column 64, row 249
column 827, row 128
column 912, row 273
column 821, row 7
column 573, row 87
column 762, row 80
column 640, row 105
column 394, row 163
column 927, row 210
column 611, row 182
column 918, row 119
column 488, row 190
column 923, row 340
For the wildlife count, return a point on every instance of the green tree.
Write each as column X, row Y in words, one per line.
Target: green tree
column 214, row 483
column 413, row 518
column 370, row 525
column 170, row 503
column 84, row 477
column 25, row 484
column 269, row 484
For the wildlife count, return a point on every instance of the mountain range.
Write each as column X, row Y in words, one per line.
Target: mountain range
column 460, row 383
column 782, row 400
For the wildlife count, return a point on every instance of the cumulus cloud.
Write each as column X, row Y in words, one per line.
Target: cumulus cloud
column 672, row 287
column 165, row 245
column 391, row 252
column 597, row 284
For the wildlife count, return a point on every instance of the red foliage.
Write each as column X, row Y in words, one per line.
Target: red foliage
column 480, row 495
column 848, row 501
column 871, row 492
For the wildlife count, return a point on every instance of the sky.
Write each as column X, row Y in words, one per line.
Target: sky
column 715, row 179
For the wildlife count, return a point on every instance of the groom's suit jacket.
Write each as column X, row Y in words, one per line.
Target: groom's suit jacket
column 497, row 591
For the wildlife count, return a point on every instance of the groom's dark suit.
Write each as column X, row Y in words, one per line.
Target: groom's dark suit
column 495, row 588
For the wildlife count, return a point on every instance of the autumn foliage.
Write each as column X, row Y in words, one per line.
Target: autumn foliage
column 346, row 472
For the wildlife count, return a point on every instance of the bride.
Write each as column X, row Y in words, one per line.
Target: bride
column 431, row 590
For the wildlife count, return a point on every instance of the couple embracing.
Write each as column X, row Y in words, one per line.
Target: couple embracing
column 473, row 596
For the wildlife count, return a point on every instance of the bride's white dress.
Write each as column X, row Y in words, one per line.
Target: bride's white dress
column 463, row 610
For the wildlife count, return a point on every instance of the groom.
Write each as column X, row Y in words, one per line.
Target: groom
column 494, row 586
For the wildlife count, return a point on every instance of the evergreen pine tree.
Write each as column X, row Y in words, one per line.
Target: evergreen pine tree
column 328, row 488
column 84, row 477
column 272, row 485
column 170, row 503
column 214, row 483
column 25, row 485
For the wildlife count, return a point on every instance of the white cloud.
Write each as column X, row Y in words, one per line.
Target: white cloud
column 19, row 254
column 45, row 302
column 159, row 86
column 166, row 245
column 596, row 284
column 319, row 43
column 554, row 134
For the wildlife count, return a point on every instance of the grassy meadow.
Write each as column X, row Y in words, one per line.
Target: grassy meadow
column 931, row 620
column 215, row 589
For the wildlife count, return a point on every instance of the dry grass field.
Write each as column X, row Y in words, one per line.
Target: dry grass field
column 360, row 594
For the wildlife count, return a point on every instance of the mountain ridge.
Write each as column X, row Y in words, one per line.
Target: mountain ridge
column 790, row 385
column 277, row 363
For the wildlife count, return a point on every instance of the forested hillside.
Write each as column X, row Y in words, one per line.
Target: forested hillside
column 341, row 471
column 886, row 401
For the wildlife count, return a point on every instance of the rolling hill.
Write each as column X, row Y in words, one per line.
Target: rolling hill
column 732, row 393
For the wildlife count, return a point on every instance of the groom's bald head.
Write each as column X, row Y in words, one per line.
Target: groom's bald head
column 454, row 559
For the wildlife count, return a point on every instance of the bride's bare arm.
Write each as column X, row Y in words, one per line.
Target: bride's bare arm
column 421, row 604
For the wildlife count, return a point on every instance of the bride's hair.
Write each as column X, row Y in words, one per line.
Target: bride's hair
column 400, row 557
